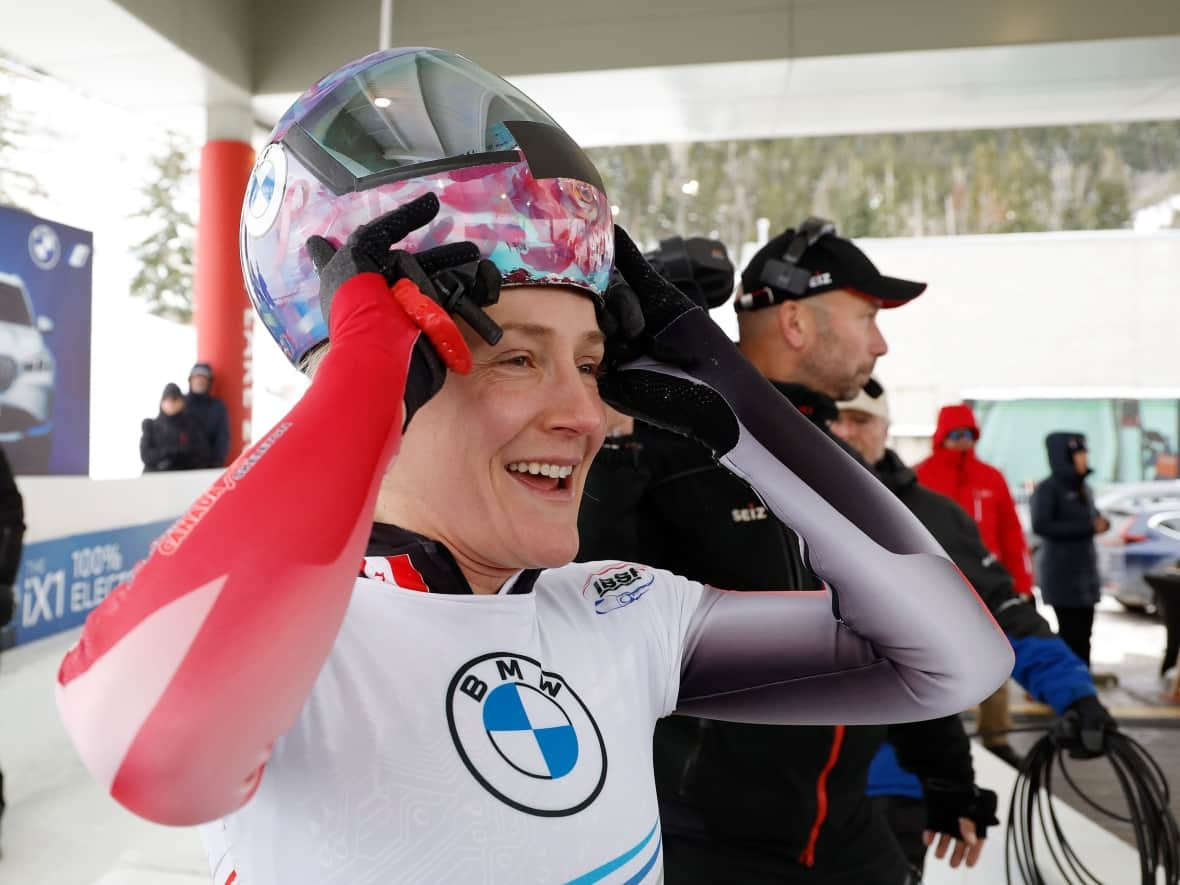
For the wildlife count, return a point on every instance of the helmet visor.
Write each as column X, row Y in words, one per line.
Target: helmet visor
column 415, row 108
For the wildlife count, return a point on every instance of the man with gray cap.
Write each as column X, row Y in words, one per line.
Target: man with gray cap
column 1045, row 666
column 756, row 803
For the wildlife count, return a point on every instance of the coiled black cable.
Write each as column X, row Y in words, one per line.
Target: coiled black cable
column 1157, row 837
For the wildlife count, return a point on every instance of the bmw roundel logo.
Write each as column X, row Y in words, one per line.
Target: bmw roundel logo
column 264, row 192
column 44, row 247
column 525, row 735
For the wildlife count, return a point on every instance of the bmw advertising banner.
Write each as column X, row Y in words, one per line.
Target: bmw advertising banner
column 61, row 580
column 45, row 286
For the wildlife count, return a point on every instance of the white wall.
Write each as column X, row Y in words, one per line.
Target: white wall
column 1060, row 310
column 1017, row 311
column 60, row 506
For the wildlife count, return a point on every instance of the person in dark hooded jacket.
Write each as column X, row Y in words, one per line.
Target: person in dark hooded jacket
column 209, row 412
column 173, row 440
column 1065, row 518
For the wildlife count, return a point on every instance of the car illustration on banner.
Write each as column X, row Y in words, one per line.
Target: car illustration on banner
column 27, row 370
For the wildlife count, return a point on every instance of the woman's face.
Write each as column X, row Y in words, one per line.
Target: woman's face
column 495, row 463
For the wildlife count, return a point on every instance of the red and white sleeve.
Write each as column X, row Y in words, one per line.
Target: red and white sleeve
column 184, row 677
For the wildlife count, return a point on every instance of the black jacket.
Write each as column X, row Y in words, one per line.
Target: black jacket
column 173, row 442
column 12, row 532
column 1063, row 515
column 1044, row 664
column 754, row 788
column 210, row 413
column 957, row 534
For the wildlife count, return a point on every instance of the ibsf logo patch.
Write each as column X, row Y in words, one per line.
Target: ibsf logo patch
column 525, row 735
column 617, row 586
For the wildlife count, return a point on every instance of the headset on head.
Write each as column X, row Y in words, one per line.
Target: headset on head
column 786, row 274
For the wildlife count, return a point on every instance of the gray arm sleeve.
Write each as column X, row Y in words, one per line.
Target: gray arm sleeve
column 901, row 636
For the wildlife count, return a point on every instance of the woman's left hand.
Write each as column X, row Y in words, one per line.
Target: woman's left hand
column 429, row 286
column 638, row 305
column 645, row 315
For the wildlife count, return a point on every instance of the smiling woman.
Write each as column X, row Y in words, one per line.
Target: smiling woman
column 531, row 399
column 366, row 657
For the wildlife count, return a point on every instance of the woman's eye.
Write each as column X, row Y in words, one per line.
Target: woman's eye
column 593, row 369
column 519, row 360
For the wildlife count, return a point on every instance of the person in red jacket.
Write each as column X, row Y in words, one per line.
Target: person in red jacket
column 954, row 470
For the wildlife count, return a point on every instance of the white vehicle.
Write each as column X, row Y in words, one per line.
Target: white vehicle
column 27, row 371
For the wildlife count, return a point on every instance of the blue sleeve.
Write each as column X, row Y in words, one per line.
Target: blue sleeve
column 888, row 778
column 1045, row 667
column 1049, row 671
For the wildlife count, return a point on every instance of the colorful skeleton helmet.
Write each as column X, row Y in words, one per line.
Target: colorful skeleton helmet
column 390, row 127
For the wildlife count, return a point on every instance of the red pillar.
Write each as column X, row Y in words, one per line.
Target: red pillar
column 222, row 312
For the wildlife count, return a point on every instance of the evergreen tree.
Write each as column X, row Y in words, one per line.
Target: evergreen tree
column 17, row 186
column 165, row 276
column 1084, row 177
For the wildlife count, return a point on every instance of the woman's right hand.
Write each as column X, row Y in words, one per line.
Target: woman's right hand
column 429, row 287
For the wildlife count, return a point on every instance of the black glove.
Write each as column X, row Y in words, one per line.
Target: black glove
column 1084, row 727
column 621, row 319
column 7, row 603
column 946, row 802
column 639, row 304
column 640, row 307
column 452, row 275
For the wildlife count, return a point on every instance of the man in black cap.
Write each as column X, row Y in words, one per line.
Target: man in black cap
column 209, row 412
column 762, row 804
column 807, row 310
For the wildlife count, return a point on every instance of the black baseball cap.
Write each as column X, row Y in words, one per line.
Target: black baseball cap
column 834, row 263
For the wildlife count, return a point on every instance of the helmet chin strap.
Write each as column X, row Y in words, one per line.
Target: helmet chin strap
column 461, row 288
